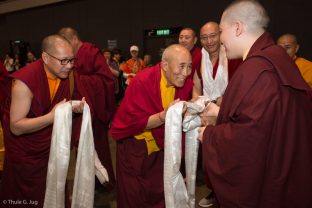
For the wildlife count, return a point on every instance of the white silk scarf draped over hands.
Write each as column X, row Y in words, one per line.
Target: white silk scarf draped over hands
column 177, row 195
column 87, row 164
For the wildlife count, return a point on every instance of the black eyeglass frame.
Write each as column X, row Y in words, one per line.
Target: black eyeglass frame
column 63, row 61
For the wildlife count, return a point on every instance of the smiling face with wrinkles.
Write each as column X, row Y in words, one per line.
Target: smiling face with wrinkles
column 210, row 37
column 176, row 65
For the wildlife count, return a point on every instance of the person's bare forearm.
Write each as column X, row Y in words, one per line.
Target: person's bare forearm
column 156, row 120
column 30, row 125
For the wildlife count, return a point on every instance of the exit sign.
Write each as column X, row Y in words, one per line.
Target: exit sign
column 163, row 32
column 173, row 31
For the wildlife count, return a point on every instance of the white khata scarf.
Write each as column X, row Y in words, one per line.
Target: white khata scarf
column 176, row 194
column 214, row 88
column 87, row 164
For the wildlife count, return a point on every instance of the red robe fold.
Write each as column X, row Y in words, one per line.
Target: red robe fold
column 95, row 82
column 260, row 152
column 2, row 69
column 139, row 175
column 196, row 60
column 27, row 155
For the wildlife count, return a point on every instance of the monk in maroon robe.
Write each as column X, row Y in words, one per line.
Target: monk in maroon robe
column 95, row 82
column 28, row 122
column 139, row 166
column 259, row 152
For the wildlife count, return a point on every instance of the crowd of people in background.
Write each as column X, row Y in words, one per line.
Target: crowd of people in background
column 125, row 69
column 12, row 62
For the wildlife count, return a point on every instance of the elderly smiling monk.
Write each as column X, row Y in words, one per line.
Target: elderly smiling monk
column 138, row 128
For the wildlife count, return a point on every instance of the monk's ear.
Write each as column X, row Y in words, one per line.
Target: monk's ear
column 239, row 28
column 297, row 48
column 44, row 57
column 164, row 65
column 195, row 40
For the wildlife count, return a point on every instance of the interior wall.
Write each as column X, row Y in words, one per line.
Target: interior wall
column 123, row 20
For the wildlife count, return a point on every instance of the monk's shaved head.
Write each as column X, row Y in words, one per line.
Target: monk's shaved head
column 69, row 33
column 57, row 56
column 210, row 25
column 210, row 38
column 172, row 51
column 249, row 12
column 187, row 38
column 289, row 43
column 51, row 43
column 289, row 37
column 72, row 35
column 189, row 29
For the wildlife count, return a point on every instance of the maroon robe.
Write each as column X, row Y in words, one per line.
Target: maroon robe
column 196, row 58
column 139, row 175
column 260, row 152
column 95, row 82
column 27, row 155
column 232, row 66
column 3, row 90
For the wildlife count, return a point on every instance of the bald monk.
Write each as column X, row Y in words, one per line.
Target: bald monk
column 28, row 121
column 138, row 128
column 95, row 82
column 259, row 152
column 290, row 44
column 210, row 41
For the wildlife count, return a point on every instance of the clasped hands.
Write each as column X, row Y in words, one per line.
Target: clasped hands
column 208, row 117
column 78, row 108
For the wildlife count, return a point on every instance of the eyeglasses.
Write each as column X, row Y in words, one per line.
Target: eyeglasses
column 63, row 61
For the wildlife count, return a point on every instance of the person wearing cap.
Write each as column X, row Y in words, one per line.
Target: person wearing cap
column 133, row 65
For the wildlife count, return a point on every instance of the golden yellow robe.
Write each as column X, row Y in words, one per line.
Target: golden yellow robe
column 305, row 68
column 167, row 97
